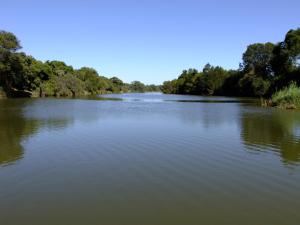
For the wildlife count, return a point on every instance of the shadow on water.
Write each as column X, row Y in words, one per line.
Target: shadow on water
column 275, row 130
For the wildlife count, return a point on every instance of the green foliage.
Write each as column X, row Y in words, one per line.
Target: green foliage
column 286, row 54
column 288, row 97
column 266, row 68
column 116, row 81
column 292, row 42
column 169, row 87
column 208, row 82
column 152, row 88
column 281, row 61
column 8, row 41
column 253, row 85
column 231, row 86
column 213, row 79
column 115, row 84
column 137, row 86
column 48, row 88
column 93, row 83
column 257, row 59
column 23, row 75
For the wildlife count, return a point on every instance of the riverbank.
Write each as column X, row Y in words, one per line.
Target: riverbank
column 287, row 98
column 24, row 76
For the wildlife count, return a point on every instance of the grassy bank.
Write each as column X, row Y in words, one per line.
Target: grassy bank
column 287, row 98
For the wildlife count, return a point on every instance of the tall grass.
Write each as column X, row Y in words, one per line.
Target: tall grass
column 288, row 98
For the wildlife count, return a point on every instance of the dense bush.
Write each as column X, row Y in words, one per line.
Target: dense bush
column 288, row 97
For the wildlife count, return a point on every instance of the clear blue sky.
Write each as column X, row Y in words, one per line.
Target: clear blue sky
column 150, row 41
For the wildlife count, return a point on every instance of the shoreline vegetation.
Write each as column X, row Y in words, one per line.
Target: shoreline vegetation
column 287, row 98
column 22, row 75
column 268, row 71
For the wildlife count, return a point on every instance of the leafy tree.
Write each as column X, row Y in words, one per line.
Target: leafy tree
column 91, row 79
column 60, row 68
column 169, row 87
column 10, row 65
column 186, row 81
column 254, row 86
column 265, row 69
column 281, row 61
column 213, row 79
column 137, row 86
column 152, row 88
column 23, row 75
column 116, row 81
column 257, row 59
column 287, row 53
column 9, row 42
column 292, row 42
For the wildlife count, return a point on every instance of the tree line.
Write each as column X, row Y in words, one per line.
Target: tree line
column 22, row 75
column 266, row 68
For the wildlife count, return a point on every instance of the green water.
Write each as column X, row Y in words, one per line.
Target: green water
column 148, row 159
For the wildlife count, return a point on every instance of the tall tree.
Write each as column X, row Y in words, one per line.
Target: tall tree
column 292, row 42
column 10, row 65
column 257, row 59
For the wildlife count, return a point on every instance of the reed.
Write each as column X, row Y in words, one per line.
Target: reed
column 287, row 98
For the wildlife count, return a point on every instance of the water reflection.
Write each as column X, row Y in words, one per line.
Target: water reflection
column 261, row 129
column 15, row 128
column 275, row 130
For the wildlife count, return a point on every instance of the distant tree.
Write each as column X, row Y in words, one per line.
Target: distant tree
column 186, row 82
column 91, row 79
column 137, row 86
column 169, row 87
column 152, row 88
column 116, row 84
column 116, row 81
column 212, row 80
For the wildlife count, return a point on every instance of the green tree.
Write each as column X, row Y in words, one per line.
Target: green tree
column 9, row 42
column 169, row 87
column 91, row 79
column 137, row 86
column 253, row 86
column 212, row 80
column 10, row 65
column 257, row 59
column 186, row 82
column 292, row 42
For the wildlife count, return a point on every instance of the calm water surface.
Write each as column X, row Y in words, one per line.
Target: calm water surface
column 154, row 159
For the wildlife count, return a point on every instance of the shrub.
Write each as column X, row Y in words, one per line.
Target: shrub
column 288, row 97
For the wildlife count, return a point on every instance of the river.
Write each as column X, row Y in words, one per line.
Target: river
column 148, row 159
